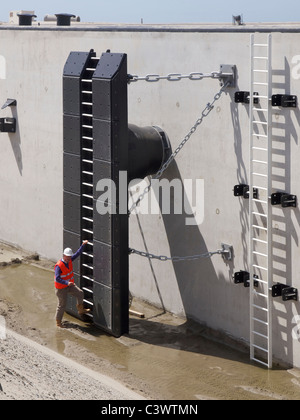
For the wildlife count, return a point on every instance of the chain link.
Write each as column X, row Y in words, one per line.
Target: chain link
column 175, row 259
column 207, row 110
column 174, row 77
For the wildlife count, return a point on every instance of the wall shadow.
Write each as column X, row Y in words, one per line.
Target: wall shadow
column 284, row 231
column 15, row 141
column 187, row 240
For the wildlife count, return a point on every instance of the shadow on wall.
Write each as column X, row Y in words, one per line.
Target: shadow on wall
column 15, row 141
column 284, row 133
column 192, row 276
column 242, row 178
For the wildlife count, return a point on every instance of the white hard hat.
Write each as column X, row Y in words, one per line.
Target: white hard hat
column 68, row 252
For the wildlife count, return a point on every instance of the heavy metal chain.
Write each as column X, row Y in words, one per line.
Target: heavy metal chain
column 176, row 259
column 209, row 107
column 174, row 77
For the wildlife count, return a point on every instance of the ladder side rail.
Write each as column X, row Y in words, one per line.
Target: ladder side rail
column 251, row 270
column 269, row 223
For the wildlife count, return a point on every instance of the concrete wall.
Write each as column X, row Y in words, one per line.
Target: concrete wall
column 218, row 153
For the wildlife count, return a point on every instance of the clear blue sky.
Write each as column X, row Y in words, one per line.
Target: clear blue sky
column 161, row 11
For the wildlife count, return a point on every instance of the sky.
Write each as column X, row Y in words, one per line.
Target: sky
column 160, row 11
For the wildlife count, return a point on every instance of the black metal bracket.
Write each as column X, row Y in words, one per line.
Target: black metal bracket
column 285, row 291
column 242, row 190
column 244, row 97
column 7, row 125
column 9, row 102
column 285, row 101
column 283, row 199
column 244, row 277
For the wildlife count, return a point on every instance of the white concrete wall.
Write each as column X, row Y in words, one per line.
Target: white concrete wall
column 218, row 153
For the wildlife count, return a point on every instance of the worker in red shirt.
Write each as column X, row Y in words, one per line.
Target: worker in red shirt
column 64, row 284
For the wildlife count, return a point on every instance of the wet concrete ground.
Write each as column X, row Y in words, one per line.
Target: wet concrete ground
column 162, row 357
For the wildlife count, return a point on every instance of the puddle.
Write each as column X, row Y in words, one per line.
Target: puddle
column 163, row 356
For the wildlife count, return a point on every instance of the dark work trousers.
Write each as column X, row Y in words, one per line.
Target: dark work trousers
column 62, row 295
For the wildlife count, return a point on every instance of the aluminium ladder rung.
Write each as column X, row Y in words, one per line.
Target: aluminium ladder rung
column 88, row 302
column 260, row 45
column 260, row 267
column 262, row 136
column 87, row 138
column 260, row 254
column 260, row 201
column 260, row 83
column 259, row 161
column 260, row 227
column 260, row 361
column 88, row 231
column 260, row 308
column 260, row 188
column 260, row 348
column 261, row 335
column 90, row 267
column 260, row 321
column 87, row 184
column 88, row 219
column 260, row 240
column 259, row 174
column 260, row 294
column 260, row 122
column 87, row 290
column 261, row 97
column 88, row 255
column 87, row 208
column 88, row 278
column 263, row 149
column 259, row 214
column 260, row 109
column 261, row 281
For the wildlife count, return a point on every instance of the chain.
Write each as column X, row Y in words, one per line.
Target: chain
column 174, row 77
column 207, row 110
column 176, row 259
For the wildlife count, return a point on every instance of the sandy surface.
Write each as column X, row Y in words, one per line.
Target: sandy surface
column 30, row 371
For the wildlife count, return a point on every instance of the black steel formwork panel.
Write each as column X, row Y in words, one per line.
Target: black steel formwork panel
column 105, row 280
column 110, row 122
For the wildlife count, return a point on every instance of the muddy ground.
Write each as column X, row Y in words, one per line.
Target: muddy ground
column 163, row 357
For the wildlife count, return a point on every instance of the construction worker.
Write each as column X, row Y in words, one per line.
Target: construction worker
column 64, row 284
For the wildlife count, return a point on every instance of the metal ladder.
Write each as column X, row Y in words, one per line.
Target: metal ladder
column 87, row 266
column 260, row 186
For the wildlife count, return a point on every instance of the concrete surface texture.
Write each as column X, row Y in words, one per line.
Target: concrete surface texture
column 31, row 214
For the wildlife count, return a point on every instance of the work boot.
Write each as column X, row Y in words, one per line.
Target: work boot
column 59, row 324
column 81, row 310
